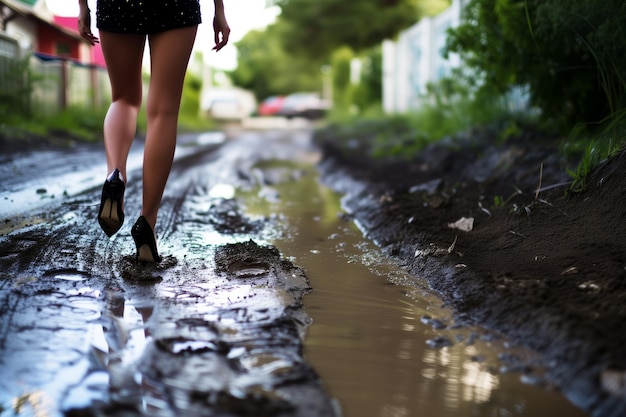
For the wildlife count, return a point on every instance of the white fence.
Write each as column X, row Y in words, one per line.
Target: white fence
column 59, row 84
column 415, row 59
column 13, row 81
column 48, row 85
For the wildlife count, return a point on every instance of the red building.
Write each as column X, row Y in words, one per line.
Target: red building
column 46, row 35
column 71, row 23
column 70, row 71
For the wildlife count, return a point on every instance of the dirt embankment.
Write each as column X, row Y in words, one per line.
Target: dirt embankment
column 546, row 270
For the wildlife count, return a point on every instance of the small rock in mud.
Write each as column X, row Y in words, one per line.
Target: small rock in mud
column 439, row 342
column 226, row 217
column 435, row 323
column 614, row 382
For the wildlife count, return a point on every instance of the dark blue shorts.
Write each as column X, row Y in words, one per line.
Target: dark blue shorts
column 143, row 17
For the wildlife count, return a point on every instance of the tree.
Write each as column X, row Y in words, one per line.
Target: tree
column 318, row 27
column 570, row 53
column 265, row 68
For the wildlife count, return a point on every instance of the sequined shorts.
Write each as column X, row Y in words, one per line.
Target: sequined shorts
column 146, row 16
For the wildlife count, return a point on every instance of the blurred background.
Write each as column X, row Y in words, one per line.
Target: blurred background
column 430, row 67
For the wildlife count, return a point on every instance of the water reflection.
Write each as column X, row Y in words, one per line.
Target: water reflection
column 36, row 375
column 369, row 338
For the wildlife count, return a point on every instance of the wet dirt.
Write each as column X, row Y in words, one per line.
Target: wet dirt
column 546, row 271
column 223, row 326
column 383, row 346
column 217, row 328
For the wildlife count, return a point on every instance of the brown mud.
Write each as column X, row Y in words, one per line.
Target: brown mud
column 545, row 270
column 216, row 329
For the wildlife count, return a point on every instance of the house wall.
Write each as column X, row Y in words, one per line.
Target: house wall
column 24, row 31
column 415, row 59
column 53, row 42
column 86, row 53
column 57, row 77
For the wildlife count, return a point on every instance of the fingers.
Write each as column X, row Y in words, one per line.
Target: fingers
column 220, row 43
column 85, row 31
column 221, row 30
column 89, row 37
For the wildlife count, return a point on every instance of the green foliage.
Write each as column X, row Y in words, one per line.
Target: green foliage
column 448, row 107
column 76, row 121
column 454, row 104
column 317, row 28
column 571, row 53
column 265, row 68
column 377, row 135
column 589, row 148
column 432, row 7
column 591, row 158
column 363, row 96
column 190, row 100
column 16, row 86
column 342, row 88
column 190, row 117
column 368, row 93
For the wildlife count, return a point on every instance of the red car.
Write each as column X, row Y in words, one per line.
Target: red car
column 271, row 105
column 307, row 105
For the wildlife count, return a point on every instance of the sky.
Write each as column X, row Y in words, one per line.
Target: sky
column 242, row 16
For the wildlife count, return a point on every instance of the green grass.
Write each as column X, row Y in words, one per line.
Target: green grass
column 452, row 107
column 85, row 124
column 74, row 122
column 587, row 148
column 448, row 108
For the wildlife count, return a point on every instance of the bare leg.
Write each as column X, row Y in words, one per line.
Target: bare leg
column 123, row 54
column 169, row 55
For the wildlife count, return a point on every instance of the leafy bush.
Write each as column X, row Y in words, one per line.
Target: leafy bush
column 369, row 91
column 571, row 53
column 15, row 88
column 450, row 106
column 190, row 117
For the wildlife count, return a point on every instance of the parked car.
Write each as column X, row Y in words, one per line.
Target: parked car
column 228, row 103
column 271, row 105
column 308, row 105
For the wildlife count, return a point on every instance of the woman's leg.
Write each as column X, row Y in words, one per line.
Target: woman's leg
column 123, row 55
column 169, row 56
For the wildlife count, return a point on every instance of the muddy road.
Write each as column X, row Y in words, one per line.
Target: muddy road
column 215, row 329
column 219, row 327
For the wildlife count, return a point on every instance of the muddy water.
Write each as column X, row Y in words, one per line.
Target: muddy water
column 383, row 348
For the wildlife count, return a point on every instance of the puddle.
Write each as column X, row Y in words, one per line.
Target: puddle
column 67, row 275
column 35, row 374
column 381, row 347
column 226, row 328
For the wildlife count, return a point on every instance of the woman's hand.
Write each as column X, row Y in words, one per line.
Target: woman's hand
column 84, row 24
column 220, row 26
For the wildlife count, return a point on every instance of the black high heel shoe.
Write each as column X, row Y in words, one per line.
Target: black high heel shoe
column 111, row 214
column 144, row 241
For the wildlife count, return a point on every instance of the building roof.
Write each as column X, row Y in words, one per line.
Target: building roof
column 38, row 10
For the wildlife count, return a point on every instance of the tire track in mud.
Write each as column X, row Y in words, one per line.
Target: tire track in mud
column 217, row 329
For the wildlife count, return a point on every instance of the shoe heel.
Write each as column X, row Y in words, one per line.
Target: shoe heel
column 111, row 213
column 145, row 243
column 144, row 253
